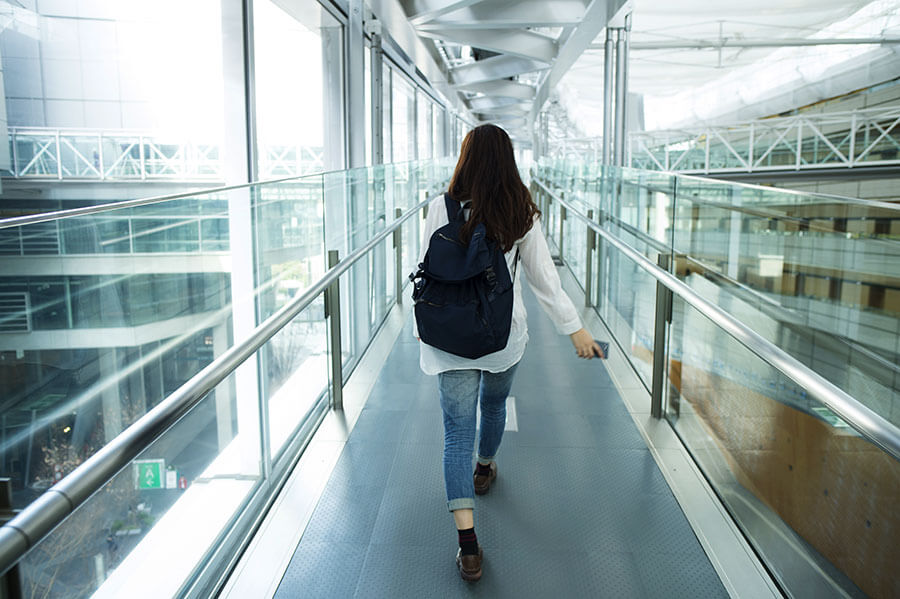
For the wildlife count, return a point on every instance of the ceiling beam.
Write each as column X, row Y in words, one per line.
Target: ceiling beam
column 422, row 11
column 525, row 44
column 512, row 15
column 491, row 102
column 503, row 88
column 497, row 67
column 598, row 14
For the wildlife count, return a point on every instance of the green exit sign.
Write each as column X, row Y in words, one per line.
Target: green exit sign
column 150, row 474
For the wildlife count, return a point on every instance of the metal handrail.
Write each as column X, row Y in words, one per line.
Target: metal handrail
column 781, row 190
column 41, row 516
column 868, row 423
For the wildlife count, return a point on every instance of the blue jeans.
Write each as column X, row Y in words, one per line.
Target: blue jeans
column 460, row 391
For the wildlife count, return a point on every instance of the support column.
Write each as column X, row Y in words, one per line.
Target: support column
column 240, row 164
column 376, row 62
column 621, row 94
column 608, row 55
column 356, row 87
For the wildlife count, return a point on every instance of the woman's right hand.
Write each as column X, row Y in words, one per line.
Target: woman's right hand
column 585, row 346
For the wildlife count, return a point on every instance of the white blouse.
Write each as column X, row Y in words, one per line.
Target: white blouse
column 536, row 263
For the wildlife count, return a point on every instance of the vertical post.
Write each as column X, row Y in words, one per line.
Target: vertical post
column 398, row 257
column 663, row 317
column 58, row 157
column 376, row 55
column 333, row 314
column 621, row 91
column 562, row 226
column 356, row 92
column 591, row 241
column 608, row 53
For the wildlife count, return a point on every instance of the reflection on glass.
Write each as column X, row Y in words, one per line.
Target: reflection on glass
column 784, row 465
column 296, row 367
column 208, row 463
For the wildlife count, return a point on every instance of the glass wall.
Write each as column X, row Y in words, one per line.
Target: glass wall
column 403, row 119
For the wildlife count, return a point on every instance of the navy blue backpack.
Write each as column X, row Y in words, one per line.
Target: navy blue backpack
column 463, row 294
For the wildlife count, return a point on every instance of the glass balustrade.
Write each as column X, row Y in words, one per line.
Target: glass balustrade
column 814, row 275
column 103, row 316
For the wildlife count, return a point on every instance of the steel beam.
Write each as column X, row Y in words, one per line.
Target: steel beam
column 525, row 44
column 504, row 88
column 593, row 20
column 497, row 67
column 422, row 11
column 515, row 15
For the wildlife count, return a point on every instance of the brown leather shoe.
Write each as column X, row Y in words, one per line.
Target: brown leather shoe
column 483, row 481
column 470, row 565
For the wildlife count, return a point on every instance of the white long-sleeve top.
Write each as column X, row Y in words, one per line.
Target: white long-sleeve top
column 536, row 263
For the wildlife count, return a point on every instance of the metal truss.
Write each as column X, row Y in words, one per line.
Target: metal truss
column 96, row 155
column 867, row 137
column 511, row 42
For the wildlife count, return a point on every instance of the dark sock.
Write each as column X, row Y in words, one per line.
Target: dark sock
column 468, row 542
column 482, row 469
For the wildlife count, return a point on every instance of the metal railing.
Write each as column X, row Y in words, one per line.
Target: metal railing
column 860, row 138
column 40, row 517
column 864, row 420
column 123, row 155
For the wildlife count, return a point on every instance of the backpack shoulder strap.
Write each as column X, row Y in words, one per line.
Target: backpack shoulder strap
column 454, row 209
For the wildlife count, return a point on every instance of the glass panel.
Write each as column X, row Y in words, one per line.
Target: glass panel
column 295, row 373
column 291, row 236
column 403, row 119
column 149, row 515
column 817, row 276
column 289, row 102
column 627, row 304
column 802, row 485
column 424, row 126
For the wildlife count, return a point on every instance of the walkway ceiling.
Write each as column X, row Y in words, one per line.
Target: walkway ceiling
column 695, row 61
column 504, row 57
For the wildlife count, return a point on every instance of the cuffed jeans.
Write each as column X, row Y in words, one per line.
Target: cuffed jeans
column 460, row 392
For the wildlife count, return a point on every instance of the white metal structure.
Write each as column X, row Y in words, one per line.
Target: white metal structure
column 869, row 137
column 504, row 58
column 90, row 154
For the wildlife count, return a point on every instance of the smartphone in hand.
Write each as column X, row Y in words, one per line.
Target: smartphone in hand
column 604, row 346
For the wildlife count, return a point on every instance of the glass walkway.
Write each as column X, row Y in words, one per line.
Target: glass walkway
column 242, row 412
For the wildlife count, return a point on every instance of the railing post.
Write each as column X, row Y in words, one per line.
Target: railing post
column 591, row 242
column 663, row 317
column 11, row 584
column 333, row 314
column 59, row 173
column 562, row 223
column 398, row 258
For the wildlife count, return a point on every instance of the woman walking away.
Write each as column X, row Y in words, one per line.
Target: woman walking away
column 489, row 200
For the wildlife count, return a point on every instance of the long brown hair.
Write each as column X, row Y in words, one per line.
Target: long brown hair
column 487, row 175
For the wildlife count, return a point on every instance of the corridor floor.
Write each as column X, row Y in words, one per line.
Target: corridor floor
column 579, row 509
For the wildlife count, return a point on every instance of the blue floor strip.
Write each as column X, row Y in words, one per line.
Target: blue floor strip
column 579, row 508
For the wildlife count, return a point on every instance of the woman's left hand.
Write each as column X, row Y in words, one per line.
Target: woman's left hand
column 585, row 346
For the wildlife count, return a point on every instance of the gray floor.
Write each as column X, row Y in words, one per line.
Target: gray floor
column 579, row 509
